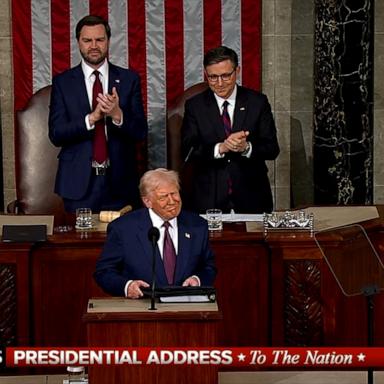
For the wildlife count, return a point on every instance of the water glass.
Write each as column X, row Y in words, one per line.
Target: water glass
column 215, row 219
column 83, row 218
column 76, row 375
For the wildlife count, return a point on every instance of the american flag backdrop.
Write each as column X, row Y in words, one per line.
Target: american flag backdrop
column 163, row 40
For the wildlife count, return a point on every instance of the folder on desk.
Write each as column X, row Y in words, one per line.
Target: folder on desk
column 179, row 294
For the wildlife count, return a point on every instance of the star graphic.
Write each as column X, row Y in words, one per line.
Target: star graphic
column 361, row 357
column 241, row 357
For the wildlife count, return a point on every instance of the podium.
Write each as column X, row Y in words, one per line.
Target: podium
column 119, row 322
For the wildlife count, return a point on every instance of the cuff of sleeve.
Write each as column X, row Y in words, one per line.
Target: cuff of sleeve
column 198, row 279
column 118, row 124
column 89, row 126
column 216, row 152
column 126, row 287
column 248, row 150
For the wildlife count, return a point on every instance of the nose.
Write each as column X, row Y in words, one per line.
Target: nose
column 219, row 80
column 171, row 199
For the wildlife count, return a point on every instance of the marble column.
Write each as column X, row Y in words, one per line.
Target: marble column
column 343, row 102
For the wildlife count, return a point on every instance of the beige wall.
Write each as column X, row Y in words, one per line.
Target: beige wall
column 287, row 80
column 287, row 52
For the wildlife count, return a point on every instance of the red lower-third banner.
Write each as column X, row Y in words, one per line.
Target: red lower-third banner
column 324, row 357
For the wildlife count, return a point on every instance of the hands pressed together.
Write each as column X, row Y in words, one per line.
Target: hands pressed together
column 107, row 105
column 235, row 142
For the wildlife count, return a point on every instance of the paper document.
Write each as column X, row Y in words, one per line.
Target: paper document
column 185, row 299
column 237, row 217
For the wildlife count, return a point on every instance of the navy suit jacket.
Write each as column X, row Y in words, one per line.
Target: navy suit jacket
column 68, row 108
column 203, row 128
column 127, row 253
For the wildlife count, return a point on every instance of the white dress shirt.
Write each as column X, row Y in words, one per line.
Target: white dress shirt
column 158, row 222
column 89, row 78
column 231, row 111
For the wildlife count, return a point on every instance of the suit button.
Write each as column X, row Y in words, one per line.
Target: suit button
column 228, row 160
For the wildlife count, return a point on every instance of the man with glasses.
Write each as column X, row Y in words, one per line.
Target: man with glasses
column 228, row 132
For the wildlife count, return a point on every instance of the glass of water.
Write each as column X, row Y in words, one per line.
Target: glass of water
column 76, row 375
column 215, row 219
column 83, row 218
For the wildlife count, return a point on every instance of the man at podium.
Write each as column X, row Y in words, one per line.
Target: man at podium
column 177, row 239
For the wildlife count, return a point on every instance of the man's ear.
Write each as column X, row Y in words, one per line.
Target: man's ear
column 147, row 202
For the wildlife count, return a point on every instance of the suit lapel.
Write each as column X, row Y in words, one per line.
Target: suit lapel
column 240, row 110
column 114, row 78
column 79, row 89
column 214, row 116
column 142, row 235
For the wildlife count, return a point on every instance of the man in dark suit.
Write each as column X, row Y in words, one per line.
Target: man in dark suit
column 96, row 117
column 125, row 264
column 229, row 132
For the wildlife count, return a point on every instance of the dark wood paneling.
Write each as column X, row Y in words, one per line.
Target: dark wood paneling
column 14, row 294
column 242, row 286
column 153, row 330
column 62, row 284
column 276, row 290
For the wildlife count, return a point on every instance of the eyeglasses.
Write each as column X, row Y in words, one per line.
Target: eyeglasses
column 223, row 77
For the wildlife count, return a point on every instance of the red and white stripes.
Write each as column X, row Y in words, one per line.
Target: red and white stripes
column 164, row 41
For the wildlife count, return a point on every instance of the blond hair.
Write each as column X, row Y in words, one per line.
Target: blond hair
column 152, row 179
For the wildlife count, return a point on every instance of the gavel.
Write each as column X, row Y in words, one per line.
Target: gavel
column 108, row 216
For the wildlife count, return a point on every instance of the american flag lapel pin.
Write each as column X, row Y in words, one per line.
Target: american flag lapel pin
column 187, row 235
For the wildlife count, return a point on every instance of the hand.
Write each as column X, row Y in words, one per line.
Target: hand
column 134, row 291
column 191, row 282
column 235, row 142
column 109, row 105
column 96, row 115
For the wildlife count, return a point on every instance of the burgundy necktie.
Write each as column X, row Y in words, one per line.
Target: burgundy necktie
column 228, row 130
column 99, row 141
column 169, row 254
column 226, row 119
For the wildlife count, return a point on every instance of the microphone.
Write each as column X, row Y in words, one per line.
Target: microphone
column 153, row 236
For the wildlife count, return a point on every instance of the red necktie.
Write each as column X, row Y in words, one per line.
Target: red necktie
column 228, row 130
column 99, row 141
column 226, row 119
column 169, row 254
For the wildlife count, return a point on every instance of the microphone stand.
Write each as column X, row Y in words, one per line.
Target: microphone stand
column 153, row 236
column 153, row 307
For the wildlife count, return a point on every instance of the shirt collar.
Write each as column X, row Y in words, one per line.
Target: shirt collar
column 231, row 99
column 88, row 70
column 157, row 221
